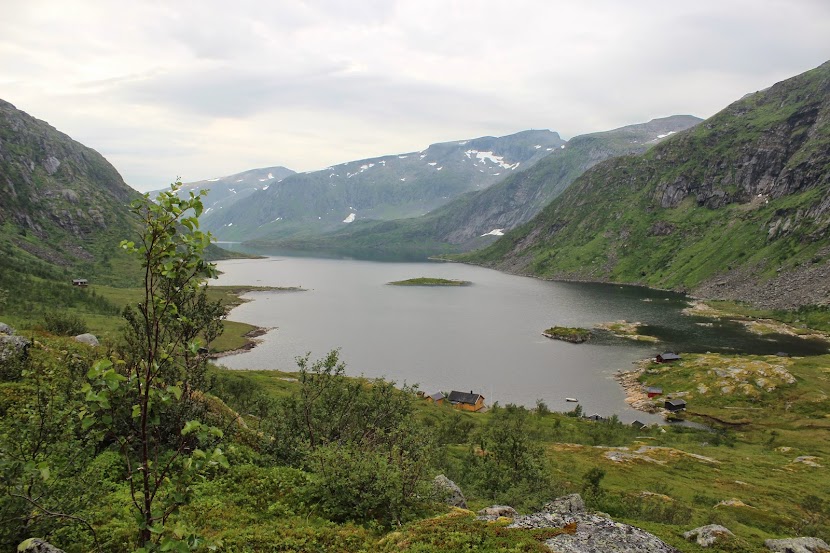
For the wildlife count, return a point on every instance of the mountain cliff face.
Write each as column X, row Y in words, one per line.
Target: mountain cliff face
column 63, row 205
column 737, row 207
column 382, row 188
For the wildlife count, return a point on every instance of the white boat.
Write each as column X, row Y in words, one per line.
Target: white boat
column 572, row 399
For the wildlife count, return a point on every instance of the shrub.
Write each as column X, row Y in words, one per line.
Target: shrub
column 63, row 323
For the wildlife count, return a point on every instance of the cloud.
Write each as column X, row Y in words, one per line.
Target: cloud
column 201, row 89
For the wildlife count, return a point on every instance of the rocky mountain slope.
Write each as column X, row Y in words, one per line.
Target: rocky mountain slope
column 226, row 191
column 382, row 188
column 477, row 218
column 64, row 207
column 737, row 207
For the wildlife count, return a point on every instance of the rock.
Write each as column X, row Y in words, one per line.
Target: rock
column 87, row 338
column 37, row 545
column 708, row 535
column 13, row 347
column 6, row 329
column 566, row 504
column 495, row 511
column 593, row 534
column 450, row 491
column 798, row 545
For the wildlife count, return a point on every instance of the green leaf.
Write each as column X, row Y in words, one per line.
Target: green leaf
column 191, row 426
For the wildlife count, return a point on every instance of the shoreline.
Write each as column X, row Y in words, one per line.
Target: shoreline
column 635, row 396
column 250, row 344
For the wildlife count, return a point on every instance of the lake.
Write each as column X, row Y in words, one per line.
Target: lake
column 485, row 337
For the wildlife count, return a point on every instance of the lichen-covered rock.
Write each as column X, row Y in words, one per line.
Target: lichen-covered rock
column 450, row 491
column 37, row 545
column 572, row 503
column 798, row 545
column 13, row 347
column 593, row 534
column 87, row 338
column 709, row 534
column 495, row 511
column 6, row 329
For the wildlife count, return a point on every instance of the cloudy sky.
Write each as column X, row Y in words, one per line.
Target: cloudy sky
column 205, row 88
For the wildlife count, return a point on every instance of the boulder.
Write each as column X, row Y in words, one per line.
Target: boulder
column 449, row 491
column 88, row 339
column 592, row 533
column 37, row 545
column 6, row 329
column 709, row 534
column 798, row 545
column 572, row 503
column 495, row 511
column 13, row 347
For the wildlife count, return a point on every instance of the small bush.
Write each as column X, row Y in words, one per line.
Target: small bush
column 63, row 323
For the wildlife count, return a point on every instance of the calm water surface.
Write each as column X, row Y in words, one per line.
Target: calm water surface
column 485, row 337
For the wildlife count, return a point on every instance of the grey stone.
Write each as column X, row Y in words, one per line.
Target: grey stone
column 87, row 338
column 13, row 347
column 572, row 503
column 798, row 545
column 6, row 329
column 709, row 534
column 450, row 491
column 593, row 534
column 495, row 511
column 37, row 545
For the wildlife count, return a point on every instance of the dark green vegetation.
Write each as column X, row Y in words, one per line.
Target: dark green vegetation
column 429, row 281
column 460, row 224
column 568, row 334
column 735, row 207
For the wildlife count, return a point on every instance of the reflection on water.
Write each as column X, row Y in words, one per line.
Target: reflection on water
column 485, row 337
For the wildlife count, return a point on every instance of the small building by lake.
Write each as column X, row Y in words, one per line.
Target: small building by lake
column 675, row 405
column 667, row 357
column 653, row 391
column 466, row 402
column 80, row 282
column 437, row 398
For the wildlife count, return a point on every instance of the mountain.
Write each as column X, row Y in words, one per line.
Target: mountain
column 382, row 188
column 477, row 218
column 226, row 191
column 737, row 207
column 64, row 207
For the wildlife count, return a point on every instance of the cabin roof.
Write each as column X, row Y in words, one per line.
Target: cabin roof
column 669, row 356
column 654, row 390
column 464, row 397
column 437, row 396
column 676, row 402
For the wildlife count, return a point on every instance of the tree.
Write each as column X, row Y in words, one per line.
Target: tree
column 147, row 399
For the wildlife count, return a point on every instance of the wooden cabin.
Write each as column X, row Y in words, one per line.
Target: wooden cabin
column 667, row 357
column 465, row 401
column 674, row 405
column 437, row 398
column 653, row 391
column 80, row 282
column 639, row 425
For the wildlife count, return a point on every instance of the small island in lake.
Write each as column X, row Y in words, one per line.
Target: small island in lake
column 429, row 281
column 574, row 335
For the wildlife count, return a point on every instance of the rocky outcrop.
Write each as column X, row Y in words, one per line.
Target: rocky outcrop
column 798, row 545
column 593, row 533
column 497, row 511
column 37, row 545
column 449, row 492
column 709, row 535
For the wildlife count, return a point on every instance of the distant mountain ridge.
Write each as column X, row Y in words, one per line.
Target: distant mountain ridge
column 477, row 218
column 226, row 191
column 381, row 188
column 738, row 207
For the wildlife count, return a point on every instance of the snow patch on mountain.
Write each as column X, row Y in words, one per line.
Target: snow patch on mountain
column 495, row 232
column 350, row 218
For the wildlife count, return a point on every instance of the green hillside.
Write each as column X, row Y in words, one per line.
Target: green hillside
column 734, row 208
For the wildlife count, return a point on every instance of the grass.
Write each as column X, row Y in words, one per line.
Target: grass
column 429, row 281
